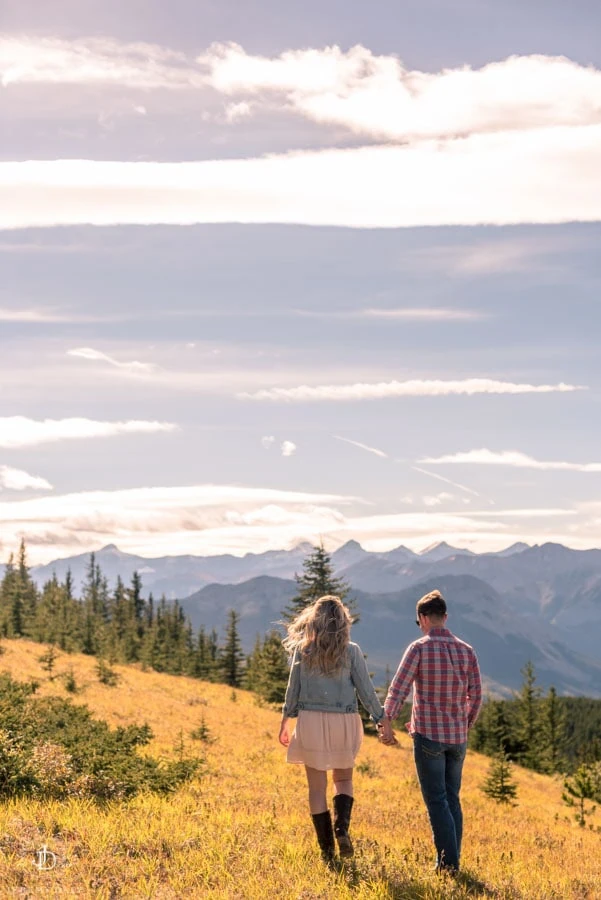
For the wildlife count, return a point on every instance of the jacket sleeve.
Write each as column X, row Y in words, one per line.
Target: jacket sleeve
column 363, row 684
column 290, row 708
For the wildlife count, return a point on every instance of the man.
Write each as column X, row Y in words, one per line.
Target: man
column 447, row 695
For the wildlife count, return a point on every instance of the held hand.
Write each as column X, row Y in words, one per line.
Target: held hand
column 284, row 737
column 386, row 734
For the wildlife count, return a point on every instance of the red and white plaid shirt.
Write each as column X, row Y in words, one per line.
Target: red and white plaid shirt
column 447, row 689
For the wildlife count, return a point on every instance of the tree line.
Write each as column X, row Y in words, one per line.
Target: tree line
column 538, row 730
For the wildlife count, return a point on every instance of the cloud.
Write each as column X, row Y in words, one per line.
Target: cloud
column 544, row 176
column 288, row 448
column 379, row 97
column 361, row 446
column 182, row 519
column 413, row 388
column 267, row 441
column 18, row 480
column 510, row 458
column 456, row 484
column 45, row 316
column 236, row 111
column 437, row 499
column 426, row 314
column 96, row 355
column 88, row 61
column 19, row 431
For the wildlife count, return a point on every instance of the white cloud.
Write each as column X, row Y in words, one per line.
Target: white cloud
column 96, row 355
column 19, row 431
column 426, row 314
column 189, row 519
column 362, row 446
column 377, row 96
column 462, row 487
column 436, row 499
column 267, row 441
column 413, row 388
column 510, row 458
column 104, row 61
column 236, row 111
column 544, row 176
column 18, row 480
column 210, row 519
column 288, row 448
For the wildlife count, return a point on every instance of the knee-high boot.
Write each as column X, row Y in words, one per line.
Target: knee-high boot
column 325, row 834
column 343, row 804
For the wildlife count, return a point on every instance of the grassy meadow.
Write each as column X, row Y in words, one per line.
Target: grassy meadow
column 242, row 828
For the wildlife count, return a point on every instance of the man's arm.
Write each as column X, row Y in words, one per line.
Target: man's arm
column 474, row 692
column 402, row 681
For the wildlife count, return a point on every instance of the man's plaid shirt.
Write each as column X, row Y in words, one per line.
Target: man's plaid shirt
column 447, row 690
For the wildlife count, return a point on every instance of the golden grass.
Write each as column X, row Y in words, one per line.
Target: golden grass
column 242, row 830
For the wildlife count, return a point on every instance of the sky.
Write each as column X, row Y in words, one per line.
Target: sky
column 289, row 272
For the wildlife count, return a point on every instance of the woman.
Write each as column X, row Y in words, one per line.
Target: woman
column 326, row 671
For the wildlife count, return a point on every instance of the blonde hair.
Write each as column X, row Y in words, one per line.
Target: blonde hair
column 321, row 635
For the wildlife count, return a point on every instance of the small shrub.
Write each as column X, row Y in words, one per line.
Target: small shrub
column 202, row 733
column 69, row 681
column 53, row 748
column 499, row 785
column 369, row 768
column 106, row 675
column 48, row 660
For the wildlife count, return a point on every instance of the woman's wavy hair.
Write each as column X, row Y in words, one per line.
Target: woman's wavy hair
column 321, row 634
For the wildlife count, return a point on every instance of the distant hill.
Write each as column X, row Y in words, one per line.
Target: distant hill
column 503, row 641
column 546, row 599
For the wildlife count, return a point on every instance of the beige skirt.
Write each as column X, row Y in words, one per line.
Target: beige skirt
column 325, row 740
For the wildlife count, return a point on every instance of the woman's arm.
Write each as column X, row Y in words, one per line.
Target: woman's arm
column 363, row 684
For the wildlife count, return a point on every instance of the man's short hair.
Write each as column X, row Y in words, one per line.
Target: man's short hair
column 432, row 604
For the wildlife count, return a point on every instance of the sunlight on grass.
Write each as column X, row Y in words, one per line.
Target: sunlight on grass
column 242, row 830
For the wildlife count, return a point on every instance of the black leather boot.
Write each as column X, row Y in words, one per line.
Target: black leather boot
column 325, row 835
column 343, row 805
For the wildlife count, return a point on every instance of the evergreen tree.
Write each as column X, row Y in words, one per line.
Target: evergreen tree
column 269, row 670
column 316, row 580
column 499, row 785
column 583, row 785
column 529, row 720
column 553, row 733
column 231, row 656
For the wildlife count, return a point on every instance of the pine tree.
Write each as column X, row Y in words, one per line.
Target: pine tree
column 231, row 655
column 269, row 670
column 553, row 733
column 499, row 785
column 316, row 580
column 529, row 720
column 583, row 785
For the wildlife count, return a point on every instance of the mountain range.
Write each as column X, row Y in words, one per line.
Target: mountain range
column 539, row 603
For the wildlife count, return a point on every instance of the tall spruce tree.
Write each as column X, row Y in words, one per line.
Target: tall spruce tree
column 317, row 579
column 529, row 720
column 553, row 733
column 231, row 655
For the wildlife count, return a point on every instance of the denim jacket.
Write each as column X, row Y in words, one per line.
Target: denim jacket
column 332, row 693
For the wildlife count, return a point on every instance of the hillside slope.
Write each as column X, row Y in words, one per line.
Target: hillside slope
column 242, row 829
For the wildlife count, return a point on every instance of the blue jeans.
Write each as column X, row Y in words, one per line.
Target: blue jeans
column 439, row 768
